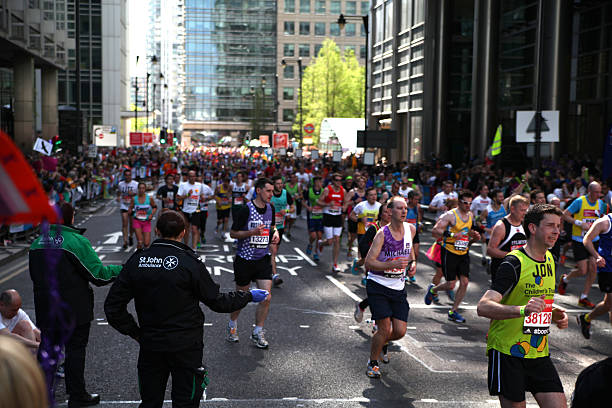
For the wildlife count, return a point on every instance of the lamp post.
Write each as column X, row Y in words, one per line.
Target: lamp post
column 364, row 19
column 299, row 63
column 147, row 100
column 538, row 103
column 135, row 103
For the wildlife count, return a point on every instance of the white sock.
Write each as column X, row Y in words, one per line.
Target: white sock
column 233, row 324
column 257, row 329
column 565, row 279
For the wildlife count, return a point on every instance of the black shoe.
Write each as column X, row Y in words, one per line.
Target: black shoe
column 85, row 400
column 585, row 327
column 125, row 246
column 484, row 261
column 131, row 242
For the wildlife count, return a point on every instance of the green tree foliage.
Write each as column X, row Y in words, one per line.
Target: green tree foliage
column 332, row 87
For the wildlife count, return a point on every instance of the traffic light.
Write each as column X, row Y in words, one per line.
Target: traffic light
column 163, row 136
column 57, row 143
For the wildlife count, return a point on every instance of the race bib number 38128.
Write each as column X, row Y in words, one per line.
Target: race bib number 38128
column 539, row 323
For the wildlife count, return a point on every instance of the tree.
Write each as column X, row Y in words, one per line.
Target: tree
column 332, row 86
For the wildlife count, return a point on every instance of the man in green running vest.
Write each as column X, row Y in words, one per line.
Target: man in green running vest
column 520, row 306
column 295, row 191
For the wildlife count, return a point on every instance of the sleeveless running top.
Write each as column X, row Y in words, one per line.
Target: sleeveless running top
column 317, row 210
column 494, row 216
column 588, row 213
column 526, row 337
column 393, row 249
column 238, row 193
column 280, row 204
column 225, row 201
column 335, row 200
column 605, row 247
column 256, row 246
column 514, row 238
column 412, row 215
column 458, row 244
column 142, row 211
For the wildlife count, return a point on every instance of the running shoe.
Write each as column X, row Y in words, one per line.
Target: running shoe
column 316, row 258
column 373, row 371
column 585, row 302
column 364, row 281
column 385, row 357
column 125, row 246
column 563, row 259
column 320, row 243
column 358, row 314
column 562, row 285
column 232, row 334
column 335, row 269
column 354, row 270
column 585, row 327
column 374, row 328
column 277, row 280
column 429, row 296
column 455, row 317
column 198, row 245
column 410, row 279
column 451, row 295
column 309, row 249
column 203, row 241
column 484, row 261
column 259, row 340
column 131, row 241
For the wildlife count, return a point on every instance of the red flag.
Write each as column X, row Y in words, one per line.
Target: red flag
column 22, row 199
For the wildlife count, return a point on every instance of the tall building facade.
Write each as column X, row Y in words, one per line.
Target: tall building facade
column 104, row 79
column 230, row 66
column 302, row 26
column 446, row 74
column 34, row 45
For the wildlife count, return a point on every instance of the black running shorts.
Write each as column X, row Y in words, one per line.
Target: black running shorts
column 247, row 271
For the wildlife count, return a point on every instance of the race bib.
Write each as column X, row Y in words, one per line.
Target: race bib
column 126, row 199
column 261, row 240
column 141, row 215
column 394, row 273
column 461, row 244
column 335, row 210
column 238, row 201
column 279, row 220
column 539, row 323
column 225, row 201
column 588, row 223
column 317, row 210
column 368, row 221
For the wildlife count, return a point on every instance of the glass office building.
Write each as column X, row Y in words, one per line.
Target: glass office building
column 230, row 52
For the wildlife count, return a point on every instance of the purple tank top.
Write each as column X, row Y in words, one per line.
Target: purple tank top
column 256, row 246
column 392, row 249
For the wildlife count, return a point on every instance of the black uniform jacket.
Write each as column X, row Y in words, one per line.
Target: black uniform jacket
column 167, row 281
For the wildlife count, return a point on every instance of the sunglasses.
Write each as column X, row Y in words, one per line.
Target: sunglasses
column 466, row 202
column 337, row 179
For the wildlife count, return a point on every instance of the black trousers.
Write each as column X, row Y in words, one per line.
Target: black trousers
column 154, row 368
column 74, row 362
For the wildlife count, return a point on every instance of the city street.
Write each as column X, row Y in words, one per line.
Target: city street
column 318, row 353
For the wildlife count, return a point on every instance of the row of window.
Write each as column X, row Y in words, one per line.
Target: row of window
column 320, row 28
column 321, row 7
column 304, row 50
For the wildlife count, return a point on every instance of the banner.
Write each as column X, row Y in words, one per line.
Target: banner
column 105, row 135
column 280, row 140
column 43, row 146
column 135, row 138
column 264, row 141
column 147, row 137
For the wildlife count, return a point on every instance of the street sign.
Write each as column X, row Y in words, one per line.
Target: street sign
column 368, row 158
column 525, row 126
column 307, row 140
column 298, row 153
column 105, row 135
column 135, row 138
column 282, row 151
column 337, row 156
column 377, row 138
column 43, row 146
column 309, row 128
column 147, row 137
column 314, row 154
column 92, row 151
column 280, row 140
column 264, row 141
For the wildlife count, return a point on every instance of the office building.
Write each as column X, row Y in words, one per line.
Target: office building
column 34, row 45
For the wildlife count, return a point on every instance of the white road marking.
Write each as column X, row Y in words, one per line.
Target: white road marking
column 102, row 323
column 101, row 257
column 208, row 324
column 113, row 238
column 225, row 248
column 405, row 350
column 411, row 328
column 306, row 257
column 354, row 327
column 286, row 239
column 12, row 275
column 343, row 288
column 290, row 270
column 304, row 326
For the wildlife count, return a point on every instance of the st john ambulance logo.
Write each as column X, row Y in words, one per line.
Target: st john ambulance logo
column 170, row 262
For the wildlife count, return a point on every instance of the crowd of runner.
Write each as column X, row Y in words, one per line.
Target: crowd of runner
column 379, row 214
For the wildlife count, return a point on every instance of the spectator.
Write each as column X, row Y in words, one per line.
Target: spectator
column 16, row 321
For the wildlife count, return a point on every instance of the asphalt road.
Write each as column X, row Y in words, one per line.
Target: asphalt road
column 318, row 353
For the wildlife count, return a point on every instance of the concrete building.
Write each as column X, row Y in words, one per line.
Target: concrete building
column 302, row 26
column 34, row 44
column 445, row 74
column 104, row 77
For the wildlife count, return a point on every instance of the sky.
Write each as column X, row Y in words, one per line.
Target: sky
column 138, row 20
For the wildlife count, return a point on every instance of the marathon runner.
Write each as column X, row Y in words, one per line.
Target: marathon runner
column 126, row 190
column 364, row 215
column 413, row 217
column 438, row 203
column 207, row 195
column 253, row 227
column 333, row 200
column 508, row 233
column 283, row 204
column 583, row 212
column 314, row 216
column 294, row 189
column 143, row 208
column 387, row 260
column 603, row 257
column 353, row 198
column 520, row 306
column 493, row 213
column 455, row 227
column 191, row 194
column 167, row 194
column 479, row 205
column 223, row 204
column 239, row 190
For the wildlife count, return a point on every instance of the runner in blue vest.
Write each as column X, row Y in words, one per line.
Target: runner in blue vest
column 283, row 204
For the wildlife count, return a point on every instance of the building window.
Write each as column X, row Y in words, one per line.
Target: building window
column 416, row 135
column 362, row 51
column 388, row 20
column 320, row 29
column 335, row 7
column 304, row 28
column 304, row 50
column 379, row 22
column 320, row 6
column 288, row 50
column 289, row 28
column 288, row 115
column 349, row 30
column 288, row 94
column 363, row 31
column 305, row 6
column 419, row 11
column 334, row 30
column 288, row 72
column 406, row 6
column 365, row 7
column 289, row 6
column 351, row 7
column 317, row 49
